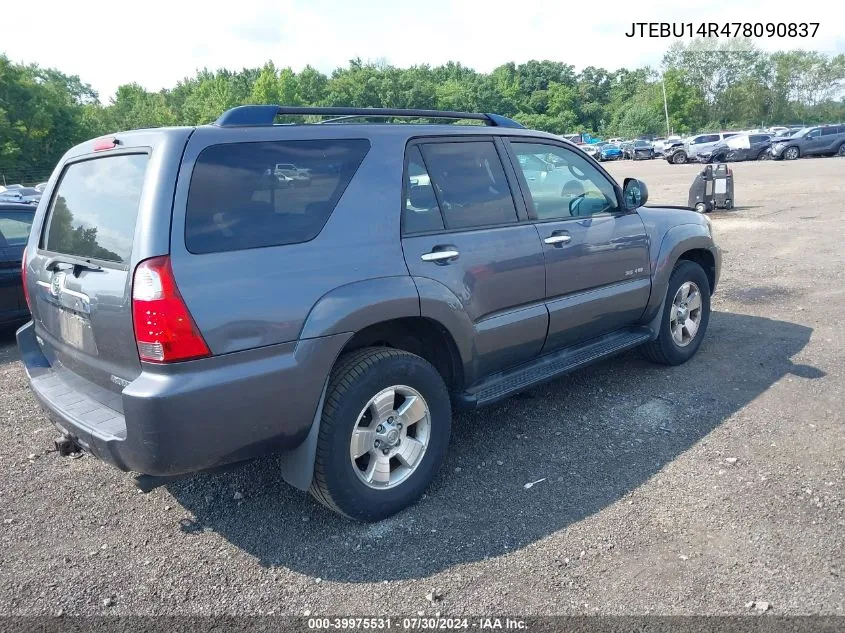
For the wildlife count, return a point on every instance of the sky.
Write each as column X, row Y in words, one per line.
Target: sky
column 156, row 43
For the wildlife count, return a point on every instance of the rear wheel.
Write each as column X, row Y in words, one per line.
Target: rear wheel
column 841, row 150
column 701, row 207
column 791, row 153
column 383, row 434
column 764, row 155
column 686, row 313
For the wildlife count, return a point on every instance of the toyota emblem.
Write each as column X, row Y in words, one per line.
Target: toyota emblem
column 57, row 283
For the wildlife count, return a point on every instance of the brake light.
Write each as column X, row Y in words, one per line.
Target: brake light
column 23, row 281
column 164, row 329
column 105, row 143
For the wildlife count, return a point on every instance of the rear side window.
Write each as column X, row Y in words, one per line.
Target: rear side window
column 93, row 214
column 421, row 212
column 830, row 131
column 470, row 182
column 14, row 228
column 252, row 195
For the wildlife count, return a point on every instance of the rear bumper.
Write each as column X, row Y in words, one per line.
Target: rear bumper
column 189, row 416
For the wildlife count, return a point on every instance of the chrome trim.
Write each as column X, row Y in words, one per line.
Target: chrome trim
column 558, row 239
column 439, row 256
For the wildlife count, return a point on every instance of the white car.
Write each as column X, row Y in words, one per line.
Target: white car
column 291, row 174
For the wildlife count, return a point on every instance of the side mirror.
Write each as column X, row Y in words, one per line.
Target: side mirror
column 634, row 193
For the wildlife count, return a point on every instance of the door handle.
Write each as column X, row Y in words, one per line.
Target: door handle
column 439, row 256
column 557, row 239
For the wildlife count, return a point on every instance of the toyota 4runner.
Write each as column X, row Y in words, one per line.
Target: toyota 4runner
column 190, row 309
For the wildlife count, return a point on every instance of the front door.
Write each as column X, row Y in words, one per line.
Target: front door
column 461, row 229
column 814, row 143
column 597, row 264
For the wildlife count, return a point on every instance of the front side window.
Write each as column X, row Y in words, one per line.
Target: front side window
column 470, row 183
column 562, row 184
column 252, row 195
column 815, row 133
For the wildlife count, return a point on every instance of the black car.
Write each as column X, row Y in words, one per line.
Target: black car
column 639, row 149
column 15, row 222
column 740, row 147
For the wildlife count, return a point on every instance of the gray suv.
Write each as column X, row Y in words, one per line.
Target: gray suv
column 191, row 309
column 826, row 139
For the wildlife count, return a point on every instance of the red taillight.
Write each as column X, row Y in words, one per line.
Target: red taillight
column 164, row 329
column 23, row 281
column 105, row 143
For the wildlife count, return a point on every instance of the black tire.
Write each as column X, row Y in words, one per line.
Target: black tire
column 701, row 207
column 663, row 350
column 356, row 378
column 679, row 158
column 791, row 153
column 764, row 155
column 841, row 150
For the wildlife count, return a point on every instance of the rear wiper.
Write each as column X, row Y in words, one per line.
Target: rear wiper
column 55, row 262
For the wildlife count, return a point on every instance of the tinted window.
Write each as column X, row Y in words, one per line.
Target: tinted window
column 94, row 210
column 730, row 134
column 830, row 131
column 570, row 186
column 250, row 195
column 14, row 227
column 815, row 133
column 758, row 138
column 421, row 212
column 471, row 184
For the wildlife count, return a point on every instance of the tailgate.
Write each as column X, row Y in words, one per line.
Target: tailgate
column 85, row 245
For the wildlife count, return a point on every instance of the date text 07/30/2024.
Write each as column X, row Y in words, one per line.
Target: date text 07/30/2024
column 723, row 29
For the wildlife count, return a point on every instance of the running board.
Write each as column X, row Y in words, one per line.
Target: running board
column 509, row 382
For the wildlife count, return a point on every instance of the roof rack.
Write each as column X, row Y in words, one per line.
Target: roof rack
column 259, row 115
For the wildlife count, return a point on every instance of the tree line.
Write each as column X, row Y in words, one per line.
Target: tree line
column 43, row 112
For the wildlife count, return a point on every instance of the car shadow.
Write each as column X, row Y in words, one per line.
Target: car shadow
column 589, row 439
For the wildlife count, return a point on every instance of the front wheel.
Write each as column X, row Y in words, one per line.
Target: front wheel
column 764, row 155
column 384, row 432
column 686, row 313
column 791, row 153
column 679, row 158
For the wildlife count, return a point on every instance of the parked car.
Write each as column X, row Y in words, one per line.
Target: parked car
column 593, row 150
column 811, row 141
column 699, row 144
column 660, row 144
column 25, row 195
column 338, row 324
column 739, row 148
column 15, row 222
column 40, row 186
column 609, row 151
column 639, row 149
column 290, row 174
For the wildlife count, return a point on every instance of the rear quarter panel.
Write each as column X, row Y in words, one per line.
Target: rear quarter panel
column 263, row 296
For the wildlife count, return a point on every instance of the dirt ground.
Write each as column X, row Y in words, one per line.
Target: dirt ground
column 692, row 490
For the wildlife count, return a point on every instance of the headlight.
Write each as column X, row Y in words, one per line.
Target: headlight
column 778, row 145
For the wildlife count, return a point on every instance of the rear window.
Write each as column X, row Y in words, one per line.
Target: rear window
column 252, row 195
column 93, row 213
column 14, row 227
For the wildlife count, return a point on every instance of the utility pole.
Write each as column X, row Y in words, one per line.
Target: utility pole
column 666, row 106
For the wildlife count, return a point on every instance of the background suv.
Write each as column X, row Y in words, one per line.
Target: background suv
column 697, row 145
column 826, row 139
column 192, row 310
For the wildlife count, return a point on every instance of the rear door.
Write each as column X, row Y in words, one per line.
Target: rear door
column 461, row 228
column 108, row 209
column 597, row 265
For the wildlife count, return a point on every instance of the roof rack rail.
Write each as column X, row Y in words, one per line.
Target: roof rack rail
column 258, row 115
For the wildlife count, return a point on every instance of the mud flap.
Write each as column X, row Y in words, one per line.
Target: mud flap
column 298, row 464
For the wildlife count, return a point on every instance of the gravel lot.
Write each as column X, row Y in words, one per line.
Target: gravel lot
column 692, row 490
